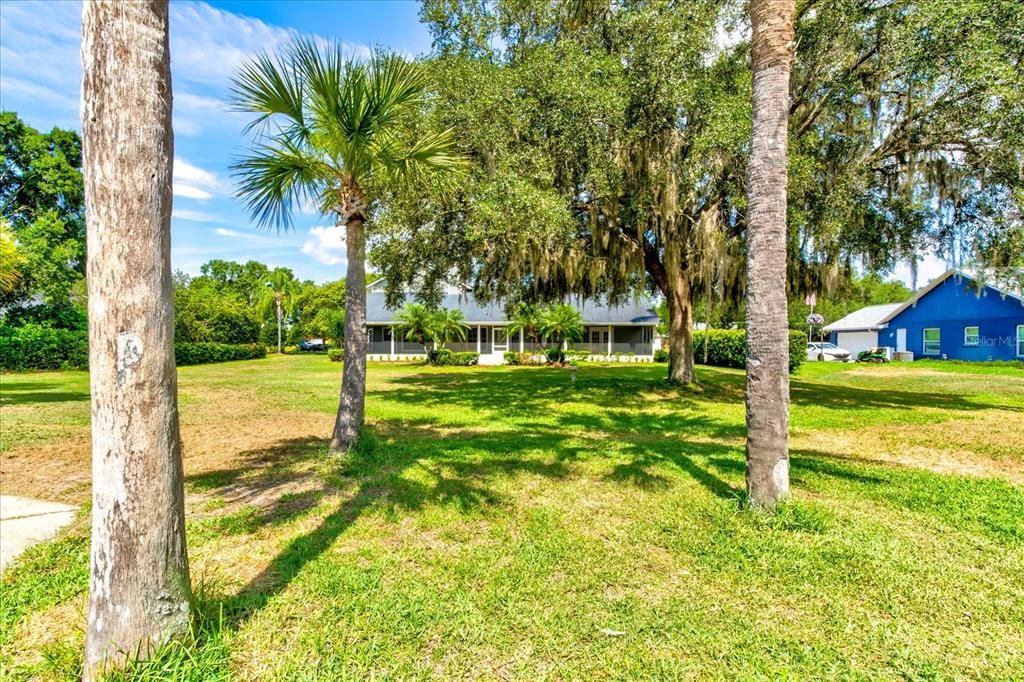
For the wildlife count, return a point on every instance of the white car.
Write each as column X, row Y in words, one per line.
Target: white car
column 828, row 351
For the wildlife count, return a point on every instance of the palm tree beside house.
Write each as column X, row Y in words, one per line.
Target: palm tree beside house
column 561, row 324
column 281, row 288
column 330, row 131
column 525, row 320
column 416, row 324
column 766, row 323
column 449, row 326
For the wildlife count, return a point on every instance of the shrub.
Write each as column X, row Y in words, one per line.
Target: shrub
column 203, row 353
column 579, row 354
column 661, row 355
column 335, row 354
column 447, row 357
column 290, row 350
column 512, row 358
column 34, row 346
column 555, row 355
column 728, row 348
column 439, row 356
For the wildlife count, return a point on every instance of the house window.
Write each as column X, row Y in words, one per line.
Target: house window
column 1020, row 340
column 972, row 336
column 931, row 341
column 647, row 334
column 599, row 336
column 471, row 335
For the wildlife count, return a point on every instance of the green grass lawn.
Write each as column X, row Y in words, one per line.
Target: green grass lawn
column 495, row 523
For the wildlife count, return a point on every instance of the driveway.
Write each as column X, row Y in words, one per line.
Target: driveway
column 25, row 522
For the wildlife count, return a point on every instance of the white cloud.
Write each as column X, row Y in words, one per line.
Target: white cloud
column 235, row 234
column 326, row 245
column 194, row 216
column 190, row 192
column 193, row 182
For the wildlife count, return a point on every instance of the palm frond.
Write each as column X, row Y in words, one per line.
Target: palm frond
column 276, row 178
column 269, row 87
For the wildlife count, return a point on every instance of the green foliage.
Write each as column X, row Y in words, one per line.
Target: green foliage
column 415, row 322
column 41, row 201
column 446, row 357
column 728, row 348
column 661, row 355
column 208, row 312
column 336, row 354
column 561, row 322
column 448, row 325
column 205, row 353
column 33, row 346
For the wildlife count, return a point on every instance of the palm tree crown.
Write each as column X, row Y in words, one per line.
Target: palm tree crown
column 561, row 322
column 415, row 323
column 449, row 325
column 330, row 131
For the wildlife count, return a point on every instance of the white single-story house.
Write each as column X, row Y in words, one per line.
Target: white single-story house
column 626, row 330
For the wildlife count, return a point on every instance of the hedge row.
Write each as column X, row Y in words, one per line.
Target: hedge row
column 447, row 357
column 33, row 346
column 36, row 347
column 728, row 348
column 202, row 353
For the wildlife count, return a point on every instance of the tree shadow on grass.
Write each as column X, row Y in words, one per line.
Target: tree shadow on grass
column 31, row 393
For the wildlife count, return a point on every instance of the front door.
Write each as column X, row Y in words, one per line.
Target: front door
column 901, row 340
column 500, row 341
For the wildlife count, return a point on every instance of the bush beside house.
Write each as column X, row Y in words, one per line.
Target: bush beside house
column 443, row 357
column 201, row 353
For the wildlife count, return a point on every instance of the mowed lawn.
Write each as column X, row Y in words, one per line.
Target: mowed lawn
column 497, row 523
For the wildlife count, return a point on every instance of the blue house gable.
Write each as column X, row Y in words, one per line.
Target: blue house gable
column 953, row 319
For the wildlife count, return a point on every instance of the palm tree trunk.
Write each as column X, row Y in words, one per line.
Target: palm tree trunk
column 767, row 333
column 139, row 591
column 680, row 331
column 351, row 406
column 278, row 303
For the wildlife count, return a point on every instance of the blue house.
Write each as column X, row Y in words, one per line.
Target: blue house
column 952, row 318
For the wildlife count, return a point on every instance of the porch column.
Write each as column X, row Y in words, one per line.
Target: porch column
column 522, row 341
column 478, row 339
column 609, row 340
column 392, row 342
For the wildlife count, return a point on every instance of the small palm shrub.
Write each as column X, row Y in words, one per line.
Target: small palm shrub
column 335, row 354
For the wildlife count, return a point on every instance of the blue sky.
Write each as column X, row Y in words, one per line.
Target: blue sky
column 40, row 78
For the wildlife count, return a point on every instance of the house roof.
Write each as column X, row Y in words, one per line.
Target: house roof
column 866, row 319
column 921, row 293
column 639, row 313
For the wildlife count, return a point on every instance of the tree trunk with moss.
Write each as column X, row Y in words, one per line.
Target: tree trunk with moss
column 352, row 404
column 767, row 320
column 139, row 592
column 680, row 331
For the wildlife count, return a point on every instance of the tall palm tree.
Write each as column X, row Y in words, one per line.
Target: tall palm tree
column 281, row 289
column 139, row 593
column 767, row 333
column 562, row 324
column 449, row 325
column 331, row 131
column 416, row 323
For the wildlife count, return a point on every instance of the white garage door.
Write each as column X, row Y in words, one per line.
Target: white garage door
column 855, row 342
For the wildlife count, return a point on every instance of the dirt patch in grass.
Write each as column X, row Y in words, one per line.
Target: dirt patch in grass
column 982, row 445
column 213, row 440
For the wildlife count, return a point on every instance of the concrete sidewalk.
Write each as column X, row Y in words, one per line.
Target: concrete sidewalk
column 25, row 522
